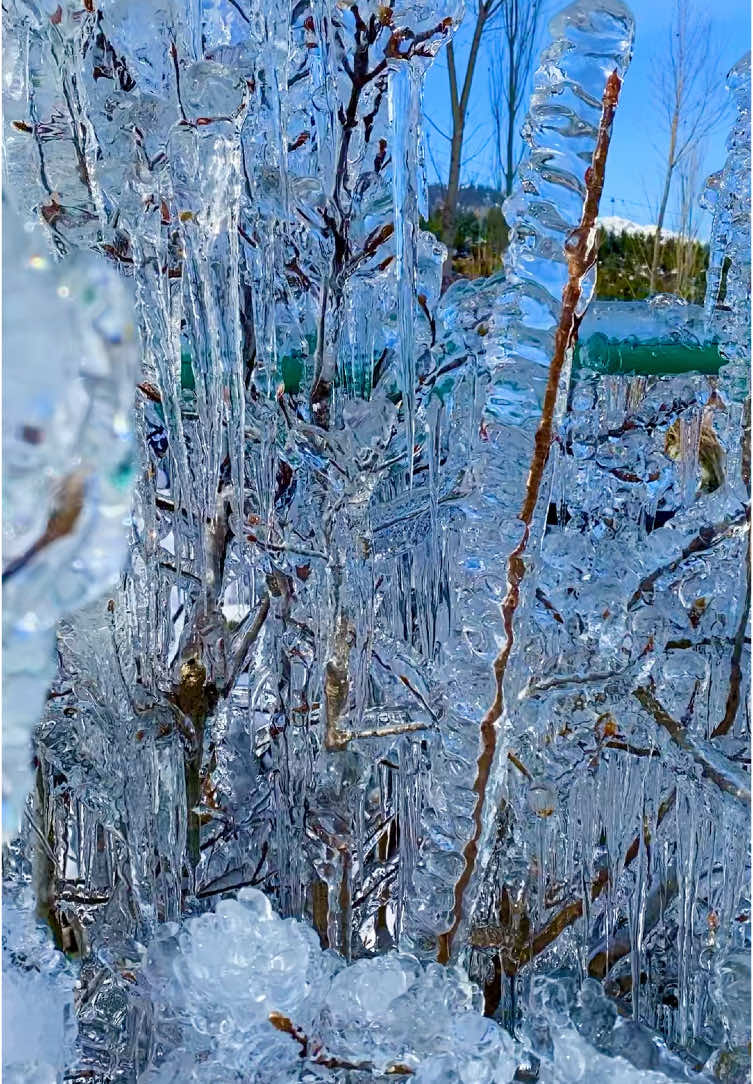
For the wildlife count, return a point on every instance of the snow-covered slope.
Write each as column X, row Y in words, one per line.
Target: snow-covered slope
column 616, row 224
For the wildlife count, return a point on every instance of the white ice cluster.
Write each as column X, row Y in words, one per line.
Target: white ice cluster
column 39, row 1024
column 256, row 1000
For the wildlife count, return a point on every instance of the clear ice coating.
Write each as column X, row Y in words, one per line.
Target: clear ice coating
column 431, row 640
column 69, row 464
column 288, row 1011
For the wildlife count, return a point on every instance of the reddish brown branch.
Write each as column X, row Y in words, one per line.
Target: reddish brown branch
column 319, row 1056
column 736, row 670
column 581, row 251
column 707, row 538
column 401, row 45
column 720, row 773
column 150, row 391
column 517, row 952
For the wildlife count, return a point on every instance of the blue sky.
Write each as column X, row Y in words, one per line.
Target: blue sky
column 634, row 173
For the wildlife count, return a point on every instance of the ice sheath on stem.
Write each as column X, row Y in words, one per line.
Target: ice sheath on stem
column 580, row 249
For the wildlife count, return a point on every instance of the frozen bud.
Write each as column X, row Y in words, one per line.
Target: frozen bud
column 542, row 798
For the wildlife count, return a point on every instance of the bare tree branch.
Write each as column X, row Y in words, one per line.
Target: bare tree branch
column 689, row 98
column 510, row 68
column 485, row 12
column 715, row 767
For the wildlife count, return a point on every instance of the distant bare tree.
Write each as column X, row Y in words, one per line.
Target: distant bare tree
column 459, row 96
column 688, row 249
column 688, row 91
column 510, row 67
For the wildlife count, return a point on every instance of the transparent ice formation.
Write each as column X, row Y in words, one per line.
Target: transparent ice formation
column 625, row 842
column 70, row 360
column 728, row 195
column 310, row 678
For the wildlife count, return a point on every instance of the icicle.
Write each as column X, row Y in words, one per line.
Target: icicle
column 405, row 112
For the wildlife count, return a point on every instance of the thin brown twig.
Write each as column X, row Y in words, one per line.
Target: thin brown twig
column 716, row 773
column 706, row 539
column 63, row 519
column 248, row 639
column 347, row 736
column 514, row 759
column 607, row 954
column 581, row 251
column 336, row 691
column 549, row 606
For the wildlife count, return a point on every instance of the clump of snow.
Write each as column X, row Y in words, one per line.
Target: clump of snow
column 244, row 995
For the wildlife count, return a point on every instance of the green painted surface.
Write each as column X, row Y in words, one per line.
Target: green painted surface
column 292, row 372
column 187, row 378
column 650, row 357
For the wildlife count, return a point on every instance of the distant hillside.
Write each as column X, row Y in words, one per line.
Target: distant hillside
column 625, row 252
column 625, row 262
column 478, row 199
column 615, row 225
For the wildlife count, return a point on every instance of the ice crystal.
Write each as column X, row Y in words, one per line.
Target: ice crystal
column 280, row 1009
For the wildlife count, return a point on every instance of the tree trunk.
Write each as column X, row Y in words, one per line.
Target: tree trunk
column 659, row 224
column 449, row 211
column 512, row 94
column 459, row 110
column 664, row 200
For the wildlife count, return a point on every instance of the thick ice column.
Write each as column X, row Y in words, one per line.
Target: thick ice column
column 728, row 195
column 728, row 276
column 580, row 73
